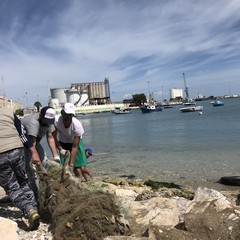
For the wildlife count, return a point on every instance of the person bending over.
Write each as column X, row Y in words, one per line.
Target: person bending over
column 38, row 125
column 68, row 136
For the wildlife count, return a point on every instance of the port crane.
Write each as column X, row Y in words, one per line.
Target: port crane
column 186, row 88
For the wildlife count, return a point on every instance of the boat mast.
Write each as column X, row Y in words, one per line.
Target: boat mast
column 186, row 88
column 149, row 93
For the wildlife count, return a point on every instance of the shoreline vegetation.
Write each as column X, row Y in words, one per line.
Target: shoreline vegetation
column 122, row 208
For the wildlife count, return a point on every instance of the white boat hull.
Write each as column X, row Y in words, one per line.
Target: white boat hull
column 191, row 109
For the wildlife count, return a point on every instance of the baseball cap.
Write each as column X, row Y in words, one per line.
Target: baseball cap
column 48, row 115
column 69, row 108
column 89, row 150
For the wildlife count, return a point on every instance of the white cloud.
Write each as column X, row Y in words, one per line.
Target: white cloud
column 130, row 42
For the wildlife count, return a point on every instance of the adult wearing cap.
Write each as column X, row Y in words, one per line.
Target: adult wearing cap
column 70, row 132
column 38, row 125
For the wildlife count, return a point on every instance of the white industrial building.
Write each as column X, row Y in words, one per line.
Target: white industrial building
column 176, row 93
column 82, row 94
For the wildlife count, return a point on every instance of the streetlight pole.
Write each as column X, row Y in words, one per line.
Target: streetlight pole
column 26, row 100
column 162, row 94
column 49, row 94
column 112, row 97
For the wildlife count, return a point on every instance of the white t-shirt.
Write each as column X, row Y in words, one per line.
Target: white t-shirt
column 66, row 135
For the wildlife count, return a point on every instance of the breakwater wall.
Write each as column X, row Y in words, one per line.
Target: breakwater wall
column 9, row 103
column 96, row 108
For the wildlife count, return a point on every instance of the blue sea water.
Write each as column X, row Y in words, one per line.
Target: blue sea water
column 166, row 146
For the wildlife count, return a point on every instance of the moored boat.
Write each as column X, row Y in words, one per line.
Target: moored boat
column 150, row 108
column 189, row 103
column 121, row 111
column 191, row 109
column 217, row 103
column 166, row 106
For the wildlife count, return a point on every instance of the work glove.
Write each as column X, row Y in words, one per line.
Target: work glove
column 63, row 152
column 56, row 159
column 45, row 163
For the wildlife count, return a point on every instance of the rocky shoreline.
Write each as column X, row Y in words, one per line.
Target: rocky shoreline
column 156, row 212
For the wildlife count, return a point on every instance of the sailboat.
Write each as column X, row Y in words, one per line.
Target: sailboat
column 189, row 104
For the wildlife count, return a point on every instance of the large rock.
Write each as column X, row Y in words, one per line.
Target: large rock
column 8, row 229
column 155, row 211
column 204, row 197
column 208, row 216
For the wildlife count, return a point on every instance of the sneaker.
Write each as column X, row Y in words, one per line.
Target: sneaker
column 33, row 219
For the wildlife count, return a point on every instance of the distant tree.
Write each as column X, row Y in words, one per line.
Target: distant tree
column 139, row 98
column 19, row 112
column 37, row 105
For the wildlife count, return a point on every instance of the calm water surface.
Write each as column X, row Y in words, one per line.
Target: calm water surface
column 167, row 145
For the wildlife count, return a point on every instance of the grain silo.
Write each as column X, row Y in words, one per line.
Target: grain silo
column 59, row 93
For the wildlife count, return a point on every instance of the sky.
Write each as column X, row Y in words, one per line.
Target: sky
column 139, row 45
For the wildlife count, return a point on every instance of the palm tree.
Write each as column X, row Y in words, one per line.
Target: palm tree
column 37, row 105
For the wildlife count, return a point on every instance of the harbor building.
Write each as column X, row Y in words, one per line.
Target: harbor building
column 82, row 94
column 176, row 93
column 9, row 103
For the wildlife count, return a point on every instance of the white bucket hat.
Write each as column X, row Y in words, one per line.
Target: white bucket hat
column 69, row 108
